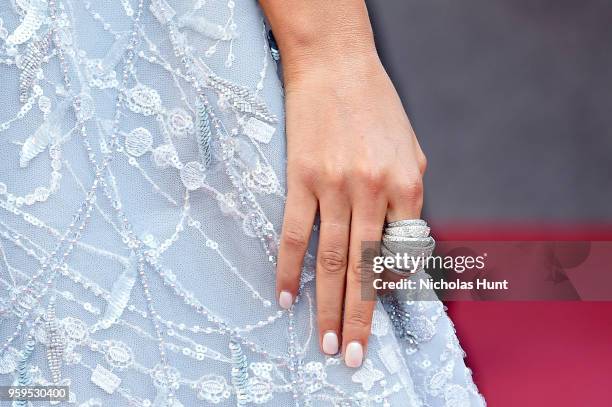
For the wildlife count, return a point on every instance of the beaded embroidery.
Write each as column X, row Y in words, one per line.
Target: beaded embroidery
column 165, row 121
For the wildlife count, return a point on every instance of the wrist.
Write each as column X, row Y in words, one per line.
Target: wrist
column 343, row 73
column 327, row 53
column 332, row 64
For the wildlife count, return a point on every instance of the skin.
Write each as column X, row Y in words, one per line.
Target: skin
column 351, row 155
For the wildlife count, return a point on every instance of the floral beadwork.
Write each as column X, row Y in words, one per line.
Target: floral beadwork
column 142, row 183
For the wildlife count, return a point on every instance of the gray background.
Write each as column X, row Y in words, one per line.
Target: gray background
column 511, row 101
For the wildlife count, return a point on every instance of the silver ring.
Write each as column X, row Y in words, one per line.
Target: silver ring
column 408, row 237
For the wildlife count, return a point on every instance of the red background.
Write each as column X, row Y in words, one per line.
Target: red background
column 536, row 353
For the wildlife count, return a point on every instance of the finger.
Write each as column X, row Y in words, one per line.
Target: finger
column 405, row 199
column 300, row 210
column 366, row 226
column 331, row 269
column 405, row 202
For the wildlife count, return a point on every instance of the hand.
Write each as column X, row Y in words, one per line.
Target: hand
column 352, row 154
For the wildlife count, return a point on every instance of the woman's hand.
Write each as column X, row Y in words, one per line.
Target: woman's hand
column 352, row 154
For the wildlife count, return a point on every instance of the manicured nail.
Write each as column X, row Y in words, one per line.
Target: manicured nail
column 285, row 299
column 353, row 354
column 330, row 343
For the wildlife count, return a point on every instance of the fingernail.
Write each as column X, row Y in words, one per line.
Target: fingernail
column 353, row 354
column 285, row 299
column 330, row 343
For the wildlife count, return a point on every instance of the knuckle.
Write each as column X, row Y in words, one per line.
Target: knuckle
column 372, row 178
column 335, row 179
column 422, row 163
column 328, row 315
column 410, row 188
column 362, row 273
column 332, row 261
column 304, row 170
column 359, row 319
column 294, row 236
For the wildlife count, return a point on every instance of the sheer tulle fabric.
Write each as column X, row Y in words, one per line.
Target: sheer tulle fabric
column 142, row 188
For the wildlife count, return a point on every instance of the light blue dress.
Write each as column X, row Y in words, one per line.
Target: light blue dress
column 142, row 184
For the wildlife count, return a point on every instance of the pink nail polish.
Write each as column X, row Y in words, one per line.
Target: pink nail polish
column 330, row 343
column 353, row 354
column 285, row 299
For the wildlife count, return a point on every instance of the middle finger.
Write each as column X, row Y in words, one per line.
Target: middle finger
column 331, row 269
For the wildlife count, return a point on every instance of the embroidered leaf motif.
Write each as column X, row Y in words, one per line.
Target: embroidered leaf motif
column 201, row 25
column 37, row 143
column 240, row 375
column 120, row 295
column 240, row 98
column 203, row 133
column 23, row 369
column 30, row 64
column 55, row 344
column 34, row 145
column 43, row 136
column 32, row 21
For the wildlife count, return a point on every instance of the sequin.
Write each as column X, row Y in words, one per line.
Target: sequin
column 34, row 14
column 240, row 376
column 24, row 378
column 195, row 87
column 99, row 75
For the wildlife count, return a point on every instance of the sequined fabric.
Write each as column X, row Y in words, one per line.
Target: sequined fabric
column 142, row 187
